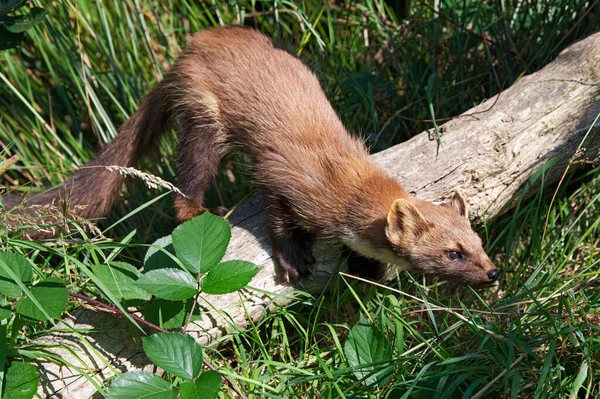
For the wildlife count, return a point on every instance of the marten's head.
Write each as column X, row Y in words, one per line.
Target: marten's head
column 438, row 240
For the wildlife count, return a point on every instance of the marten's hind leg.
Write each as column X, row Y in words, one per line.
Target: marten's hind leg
column 201, row 147
column 290, row 243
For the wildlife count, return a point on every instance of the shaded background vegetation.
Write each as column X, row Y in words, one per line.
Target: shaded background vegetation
column 78, row 76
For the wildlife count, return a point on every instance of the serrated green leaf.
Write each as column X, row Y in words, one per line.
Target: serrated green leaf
column 140, row 385
column 201, row 243
column 366, row 346
column 207, row 386
column 51, row 294
column 23, row 22
column 171, row 284
column 21, row 267
column 21, row 380
column 120, row 278
column 168, row 314
column 176, row 353
column 187, row 390
column 229, row 277
column 156, row 256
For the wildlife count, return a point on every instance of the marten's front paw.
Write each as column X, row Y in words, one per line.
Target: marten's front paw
column 188, row 209
column 294, row 258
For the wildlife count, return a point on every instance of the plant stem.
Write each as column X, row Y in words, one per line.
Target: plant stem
column 189, row 320
column 116, row 311
column 140, row 320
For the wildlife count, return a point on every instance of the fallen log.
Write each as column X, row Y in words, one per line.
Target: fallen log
column 488, row 153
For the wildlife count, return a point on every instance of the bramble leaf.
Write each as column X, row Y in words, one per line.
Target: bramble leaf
column 140, row 385
column 201, row 242
column 176, row 353
column 171, row 284
column 229, row 277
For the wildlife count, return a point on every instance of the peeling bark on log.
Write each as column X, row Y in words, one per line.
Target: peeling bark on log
column 488, row 153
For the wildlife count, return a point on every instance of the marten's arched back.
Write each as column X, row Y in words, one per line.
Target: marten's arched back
column 232, row 89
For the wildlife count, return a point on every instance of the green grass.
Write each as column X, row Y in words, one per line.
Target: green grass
column 83, row 71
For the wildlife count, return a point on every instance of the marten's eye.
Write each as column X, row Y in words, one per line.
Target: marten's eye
column 455, row 255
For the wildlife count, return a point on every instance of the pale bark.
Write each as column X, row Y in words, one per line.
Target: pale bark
column 488, row 153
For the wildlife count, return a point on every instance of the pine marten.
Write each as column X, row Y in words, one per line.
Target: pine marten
column 233, row 89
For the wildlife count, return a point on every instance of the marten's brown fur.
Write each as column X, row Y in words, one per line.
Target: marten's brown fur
column 232, row 89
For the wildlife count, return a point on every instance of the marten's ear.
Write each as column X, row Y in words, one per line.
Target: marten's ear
column 458, row 203
column 404, row 217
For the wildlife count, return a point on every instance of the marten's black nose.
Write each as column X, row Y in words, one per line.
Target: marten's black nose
column 493, row 274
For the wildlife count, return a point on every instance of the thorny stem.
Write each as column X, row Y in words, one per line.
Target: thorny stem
column 151, row 326
column 116, row 311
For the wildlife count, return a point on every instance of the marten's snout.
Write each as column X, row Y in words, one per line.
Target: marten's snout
column 493, row 275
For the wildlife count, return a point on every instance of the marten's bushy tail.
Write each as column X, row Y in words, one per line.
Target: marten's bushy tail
column 93, row 189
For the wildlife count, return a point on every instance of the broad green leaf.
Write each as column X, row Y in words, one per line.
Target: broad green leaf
column 156, row 258
column 21, row 381
column 229, row 277
column 140, row 385
column 172, row 284
column 51, row 294
column 176, row 353
column 207, row 386
column 120, row 278
column 23, row 22
column 5, row 312
column 200, row 243
column 168, row 314
column 187, row 390
column 21, row 267
column 365, row 346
